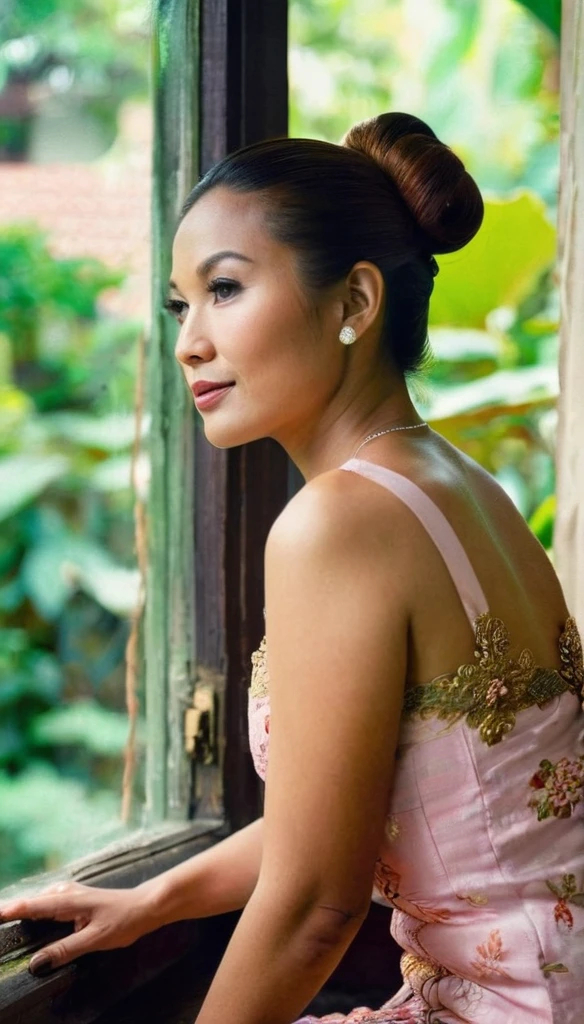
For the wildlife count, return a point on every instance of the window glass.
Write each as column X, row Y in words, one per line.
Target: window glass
column 75, row 127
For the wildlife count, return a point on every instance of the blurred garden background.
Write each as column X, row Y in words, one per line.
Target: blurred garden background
column 75, row 136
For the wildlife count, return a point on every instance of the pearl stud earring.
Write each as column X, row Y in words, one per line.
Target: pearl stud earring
column 348, row 335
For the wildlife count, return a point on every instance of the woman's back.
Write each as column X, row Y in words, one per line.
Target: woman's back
column 516, row 576
column 481, row 859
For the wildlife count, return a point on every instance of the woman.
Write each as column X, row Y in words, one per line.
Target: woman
column 421, row 699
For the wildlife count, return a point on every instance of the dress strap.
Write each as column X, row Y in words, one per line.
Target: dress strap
column 435, row 522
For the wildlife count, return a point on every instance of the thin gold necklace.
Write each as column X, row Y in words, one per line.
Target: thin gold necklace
column 412, row 426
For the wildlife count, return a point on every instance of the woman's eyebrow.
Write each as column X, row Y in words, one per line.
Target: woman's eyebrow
column 208, row 264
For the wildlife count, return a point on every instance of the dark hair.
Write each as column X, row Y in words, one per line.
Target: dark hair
column 392, row 194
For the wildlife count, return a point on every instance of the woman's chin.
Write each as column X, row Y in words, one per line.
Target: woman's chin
column 229, row 438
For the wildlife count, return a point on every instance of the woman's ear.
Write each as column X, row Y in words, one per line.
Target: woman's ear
column 364, row 296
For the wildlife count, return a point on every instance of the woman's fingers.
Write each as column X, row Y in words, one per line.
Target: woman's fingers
column 102, row 919
column 59, row 953
column 62, row 902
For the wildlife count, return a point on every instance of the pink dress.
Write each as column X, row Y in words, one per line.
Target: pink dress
column 482, row 858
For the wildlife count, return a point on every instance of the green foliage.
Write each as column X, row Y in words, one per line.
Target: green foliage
column 47, row 307
column 89, row 55
column 85, row 724
column 479, row 71
column 47, row 819
column 24, row 477
column 67, row 576
column 497, row 269
column 482, row 74
column 492, row 382
column 549, row 13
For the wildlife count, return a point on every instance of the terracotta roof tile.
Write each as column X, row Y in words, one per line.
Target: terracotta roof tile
column 100, row 210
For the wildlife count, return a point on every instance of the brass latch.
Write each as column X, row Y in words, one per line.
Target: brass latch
column 201, row 726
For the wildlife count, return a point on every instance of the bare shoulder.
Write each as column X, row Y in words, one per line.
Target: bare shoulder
column 335, row 511
column 334, row 561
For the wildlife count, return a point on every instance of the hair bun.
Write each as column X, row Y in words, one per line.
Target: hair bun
column 442, row 196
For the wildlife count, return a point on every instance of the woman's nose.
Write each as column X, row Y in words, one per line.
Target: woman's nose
column 192, row 346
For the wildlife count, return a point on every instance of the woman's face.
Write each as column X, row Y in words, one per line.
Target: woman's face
column 245, row 321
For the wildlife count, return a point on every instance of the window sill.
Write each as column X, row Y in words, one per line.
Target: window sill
column 83, row 990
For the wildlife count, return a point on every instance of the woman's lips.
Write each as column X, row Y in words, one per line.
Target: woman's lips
column 211, row 398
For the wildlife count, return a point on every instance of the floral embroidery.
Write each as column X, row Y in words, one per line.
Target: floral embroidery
column 387, row 881
column 410, row 1013
column 558, row 788
column 489, row 956
column 476, row 899
column 259, row 672
column 492, row 691
column 566, row 893
column 496, row 690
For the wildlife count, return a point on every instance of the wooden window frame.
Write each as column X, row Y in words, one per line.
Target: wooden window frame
column 219, row 82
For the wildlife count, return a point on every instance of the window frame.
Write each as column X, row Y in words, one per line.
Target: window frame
column 219, row 81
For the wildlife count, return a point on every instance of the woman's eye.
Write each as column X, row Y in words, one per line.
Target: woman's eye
column 177, row 309
column 223, row 289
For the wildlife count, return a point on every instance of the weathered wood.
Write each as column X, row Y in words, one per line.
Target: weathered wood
column 239, row 492
column 169, row 619
column 78, row 993
column 569, row 526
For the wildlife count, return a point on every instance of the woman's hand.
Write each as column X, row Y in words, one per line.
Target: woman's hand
column 104, row 919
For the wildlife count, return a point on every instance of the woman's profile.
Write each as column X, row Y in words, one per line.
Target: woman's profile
column 415, row 706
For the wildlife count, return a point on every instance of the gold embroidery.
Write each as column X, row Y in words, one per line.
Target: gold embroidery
column 392, row 828
column 488, row 693
column 476, row 899
column 416, row 970
column 555, row 968
column 492, row 691
column 572, row 669
column 259, row 672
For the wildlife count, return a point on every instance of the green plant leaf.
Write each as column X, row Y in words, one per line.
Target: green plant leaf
column 542, row 521
column 54, row 817
column 62, row 561
column 459, row 344
column 83, row 723
column 24, row 477
column 549, row 12
column 499, row 266
column 108, row 433
column 502, row 388
column 112, row 586
column 113, row 474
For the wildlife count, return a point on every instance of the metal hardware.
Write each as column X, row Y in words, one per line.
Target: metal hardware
column 201, row 726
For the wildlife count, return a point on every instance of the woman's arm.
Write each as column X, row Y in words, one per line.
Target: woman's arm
column 213, row 882
column 337, row 602
column 217, row 880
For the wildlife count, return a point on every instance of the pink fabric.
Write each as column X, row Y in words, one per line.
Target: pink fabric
column 437, row 525
column 486, row 892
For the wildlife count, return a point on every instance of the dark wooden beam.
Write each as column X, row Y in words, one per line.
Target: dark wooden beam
column 239, row 492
